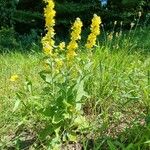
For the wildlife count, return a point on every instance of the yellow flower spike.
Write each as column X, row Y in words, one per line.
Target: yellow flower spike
column 75, row 36
column 77, row 28
column 95, row 31
column 14, row 77
column 48, row 40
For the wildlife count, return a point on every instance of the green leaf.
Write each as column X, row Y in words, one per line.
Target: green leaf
column 80, row 122
column 72, row 137
column 66, row 104
column 111, row 145
column 80, row 91
column 48, row 112
column 17, row 103
column 130, row 146
column 28, row 86
column 80, row 94
column 48, row 130
column 56, row 143
column 57, row 117
column 147, row 119
column 147, row 142
column 46, row 76
column 88, row 65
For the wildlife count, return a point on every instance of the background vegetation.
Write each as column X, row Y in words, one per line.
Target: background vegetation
column 29, row 13
column 23, row 19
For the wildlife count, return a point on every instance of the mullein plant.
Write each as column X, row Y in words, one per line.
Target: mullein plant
column 64, row 91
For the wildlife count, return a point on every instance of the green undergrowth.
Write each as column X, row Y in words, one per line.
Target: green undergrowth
column 101, row 101
column 116, row 108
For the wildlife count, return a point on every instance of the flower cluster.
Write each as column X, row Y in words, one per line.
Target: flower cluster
column 95, row 31
column 48, row 41
column 61, row 46
column 14, row 77
column 75, row 36
column 59, row 64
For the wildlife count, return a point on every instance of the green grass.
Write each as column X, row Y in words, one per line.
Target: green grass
column 25, row 66
column 118, row 105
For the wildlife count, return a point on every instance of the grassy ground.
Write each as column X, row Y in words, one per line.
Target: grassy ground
column 25, row 66
column 118, row 108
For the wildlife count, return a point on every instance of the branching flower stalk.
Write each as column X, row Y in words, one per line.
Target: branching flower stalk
column 75, row 36
column 95, row 31
column 48, row 40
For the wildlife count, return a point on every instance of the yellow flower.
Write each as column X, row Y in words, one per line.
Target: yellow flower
column 95, row 31
column 72, row 45
column 59, row 62
column 61, row 45
column 14, row 77
column 76, row 28
column 71, row 54
column 75, row 36
column 58, row 65
column 47, row 48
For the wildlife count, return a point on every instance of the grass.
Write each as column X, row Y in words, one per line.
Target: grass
column 117, row 108
column 24, row 65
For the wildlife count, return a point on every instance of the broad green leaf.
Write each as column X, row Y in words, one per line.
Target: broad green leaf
column 48, row 130
column 48, row 112
column 57, row 117
column 80, row 91
column 81, row 122
column 56, row 143
column 46, row 76
column 80, row 94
